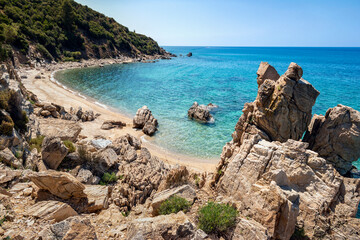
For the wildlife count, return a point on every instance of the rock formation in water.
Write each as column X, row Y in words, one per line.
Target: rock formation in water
column 201, row 112
column 145, row 121
column 336, row 137
column 274, row 178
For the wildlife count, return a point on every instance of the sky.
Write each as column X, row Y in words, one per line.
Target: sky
column 313, row 23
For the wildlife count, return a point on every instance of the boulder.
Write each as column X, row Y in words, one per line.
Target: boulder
column 144, row 118
column 249, row 229
column 71, row 228
column 189, row 54
column 7, row 157
column 185, row 191
column 200, row 113
column 85, row 176
column 49, row 107
column 106, row 159
column 53, row 151
column 107, row 125
column 8, row 175
column 45, row 113
column 100, row 143
column 266, row 71
column 60, row 184
column 336, row 137
column 65, row 130
column 98, row 197
column 50, row 210
column 173, row 226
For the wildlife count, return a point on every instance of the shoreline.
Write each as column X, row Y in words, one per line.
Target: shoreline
column 48, row 89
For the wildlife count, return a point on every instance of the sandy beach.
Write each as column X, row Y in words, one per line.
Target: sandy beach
column 49, row 90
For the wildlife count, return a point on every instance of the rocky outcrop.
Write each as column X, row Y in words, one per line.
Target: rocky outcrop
column 266, row 71
column 7, row 157
column 107, row 125
column 282, row 109
column 189, row 54
column 51, row 210
column 185, row 191
column 60, row 184
column 200, row 113
column 105, row 159
column 173, row 226
column 336, row 137
column 53, row 151
column 145, row 120
column 249, row 229
column 62, row 129
column 98, row 197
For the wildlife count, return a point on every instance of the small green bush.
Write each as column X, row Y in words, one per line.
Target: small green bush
column 70, row 146
column 4, row 99
column 6, row 125
column 84, row 155
column 216, row 217
column 108, row 178
column 174, row 204
column 36, row 143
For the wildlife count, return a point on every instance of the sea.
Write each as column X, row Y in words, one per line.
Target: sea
column 225, row 76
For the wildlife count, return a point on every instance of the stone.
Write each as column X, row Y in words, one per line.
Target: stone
column 8, row 175
column 65, row 130
column 107, row 125
column 7, row 157
column 60, row 184
column 50, row 210
column 98, row 197
column 106, row 159
column 176, row 177
column 45, row 113
column 32, row 160
column 189, row 54
column 173, row 226
column 49, row 107
column 100, row 143
column 266, row 71
column 85, row 176
column 336, row 137
column 53, row 151
column 185, row 191
column 200, row 113
column 144, row 118
column 249, row 229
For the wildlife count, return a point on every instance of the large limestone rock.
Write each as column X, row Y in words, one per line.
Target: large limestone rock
column 282, row 109
column 53, row 151
column 173, row 226
column 65, row 130
column 200, row 113
column 7, row 157
column 61, row 184
column 145, row 121
column 98, row 197
column 336, row 137
column 51, row 210
column 266, row 71
column 106, row 159
column 185, row 191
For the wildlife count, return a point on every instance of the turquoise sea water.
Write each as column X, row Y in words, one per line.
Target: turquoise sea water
column 225, row 76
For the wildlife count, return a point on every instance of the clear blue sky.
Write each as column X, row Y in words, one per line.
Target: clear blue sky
column 239, row 23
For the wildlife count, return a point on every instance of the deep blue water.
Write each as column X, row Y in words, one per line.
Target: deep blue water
column 225, row 76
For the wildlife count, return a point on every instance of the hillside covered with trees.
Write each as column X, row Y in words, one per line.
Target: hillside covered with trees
column 65, row 30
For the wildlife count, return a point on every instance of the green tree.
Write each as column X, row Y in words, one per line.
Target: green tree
column 68, row 15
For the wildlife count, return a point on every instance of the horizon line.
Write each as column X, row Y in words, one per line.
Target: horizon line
column 260, row 46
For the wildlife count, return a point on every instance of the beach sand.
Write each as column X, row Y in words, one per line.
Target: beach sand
column 48, row 90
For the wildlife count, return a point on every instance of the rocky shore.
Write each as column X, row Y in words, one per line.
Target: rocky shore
column 84, row 173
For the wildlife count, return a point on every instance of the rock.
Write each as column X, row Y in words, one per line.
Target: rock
column 280, row 185
column 50, row 210
column 98, row 197
column 7, row 157
column 173, row 226
column 185, row 191
column 282, row 109
column 189, row 54
column 85, row 176
column 45, row 113
column 106, row 159
column 336, row 137
column 145, row 120
column 176, row 177
column 266, row 71
column 49, row 107
column 32, row 160
column 200, row 113
column 7, row 176
column 53, row 151
column 55, row 114
column 71, row 228
column 249, row 229
column 62, row 129
column 60, row 184
column 107, row 125
column 100, row 143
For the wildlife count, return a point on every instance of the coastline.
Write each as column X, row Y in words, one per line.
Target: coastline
column 48, row 89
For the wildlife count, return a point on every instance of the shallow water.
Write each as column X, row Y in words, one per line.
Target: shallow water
column 225, row 76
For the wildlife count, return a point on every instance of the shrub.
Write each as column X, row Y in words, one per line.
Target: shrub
column 6, row 126
column 174, row 204
column 70, row 146
column 108, row 178
column 21, row 123
column 36, row 143
column 216, row 217
column 4, row 99
column 84, row 155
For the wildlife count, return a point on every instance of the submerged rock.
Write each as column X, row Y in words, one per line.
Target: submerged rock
column 336, row 137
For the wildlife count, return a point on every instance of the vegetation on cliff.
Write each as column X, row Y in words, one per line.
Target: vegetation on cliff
column 65, row 30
